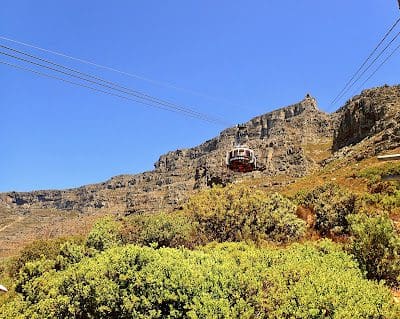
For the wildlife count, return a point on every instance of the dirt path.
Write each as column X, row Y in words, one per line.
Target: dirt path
column 12, row 223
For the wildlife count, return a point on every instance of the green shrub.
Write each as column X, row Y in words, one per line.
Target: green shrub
column 331, row 206
column 375, row 174
column 227, row 280
column 376, row 246
column 162, row 229
column 382, row 195
column 237, row 213
column 6, row 280
column 382, row 201
column 70, row 253
column 40, row 249
column 104, row 234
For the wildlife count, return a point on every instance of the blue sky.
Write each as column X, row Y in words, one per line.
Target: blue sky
column 250, row 56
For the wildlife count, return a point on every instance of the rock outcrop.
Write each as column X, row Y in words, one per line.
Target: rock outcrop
column 279, row 139
column 371, row 118
column 289, row 143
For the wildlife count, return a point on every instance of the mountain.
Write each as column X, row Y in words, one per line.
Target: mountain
column 290, row 143
column 371, row 119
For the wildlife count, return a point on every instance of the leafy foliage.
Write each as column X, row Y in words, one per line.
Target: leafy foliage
column 162, row 229
column 230, row 280
column 375, row 174
column 382, row 195
column 105, row 234
column 70, row 253
column 376, row 246
column 233, row 213
column 41, row 249
column 106, row 277
column 237, row 213
column 331, row 205
column 385, row 200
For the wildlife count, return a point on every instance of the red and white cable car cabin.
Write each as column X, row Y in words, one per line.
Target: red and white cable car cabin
column 241, row 159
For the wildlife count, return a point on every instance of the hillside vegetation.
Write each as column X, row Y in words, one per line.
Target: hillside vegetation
column 313, row 234
column 229, row 252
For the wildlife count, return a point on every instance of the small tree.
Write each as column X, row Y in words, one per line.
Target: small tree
column 376, row 246
column 331, row 206
column 104, row 234
column 162, row 229
column 236, row 213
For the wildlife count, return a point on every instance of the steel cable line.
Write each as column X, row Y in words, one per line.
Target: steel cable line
column 132, row 75
column 370, row 65
column 130, row 92
column 379, row 66
column 135, row 92
column 181, row 109
column 99, row 90
column 365, row 62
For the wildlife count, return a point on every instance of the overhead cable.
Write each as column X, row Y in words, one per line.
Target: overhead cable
column 129, row 74
column 146, row 98
column 370, row 65
column 120, row 87
column 379, row 66
column 346, row 87
column 99, row 90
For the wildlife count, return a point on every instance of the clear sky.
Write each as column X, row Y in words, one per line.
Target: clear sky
column 251, row 56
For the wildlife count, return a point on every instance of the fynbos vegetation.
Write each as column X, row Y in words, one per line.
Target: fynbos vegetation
column 138, row 267
column 315, row 234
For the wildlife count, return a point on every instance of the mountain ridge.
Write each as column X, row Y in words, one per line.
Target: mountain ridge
column 190, row 163
column 290, row 142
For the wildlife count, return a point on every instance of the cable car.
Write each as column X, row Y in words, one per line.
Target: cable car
column 241, row 158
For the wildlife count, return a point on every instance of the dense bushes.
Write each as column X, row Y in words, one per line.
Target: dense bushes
column 374, row 241
column 104, row 234
column 233, row 213
column 376, row 246
column 161, row 229
column 375, row 174
column 105, row 277
column 41, row 249
column 383, row 195
column 331, row 206
column 219, row 281
column 236, row 213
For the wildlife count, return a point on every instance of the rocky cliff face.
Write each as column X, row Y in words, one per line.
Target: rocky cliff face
column 371, row 119
column 278, row 139
column 289, row 143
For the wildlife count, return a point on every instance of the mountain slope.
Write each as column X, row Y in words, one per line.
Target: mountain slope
column 277, row 138
column 290, row 143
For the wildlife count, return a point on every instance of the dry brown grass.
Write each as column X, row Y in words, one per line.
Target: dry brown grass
column 342, row 172
column 320, row 151
column 42, row 224
column 23, row 228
